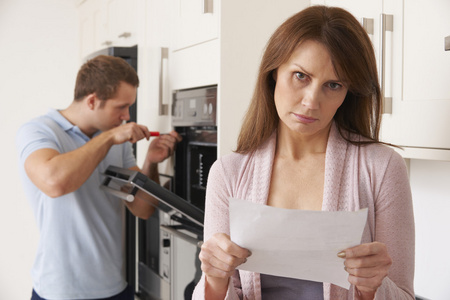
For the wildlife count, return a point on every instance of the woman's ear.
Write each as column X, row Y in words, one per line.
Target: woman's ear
column 274, row 74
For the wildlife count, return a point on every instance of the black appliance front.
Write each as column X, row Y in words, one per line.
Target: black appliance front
column 193, row 159
column 168, row 263
column 194, row 118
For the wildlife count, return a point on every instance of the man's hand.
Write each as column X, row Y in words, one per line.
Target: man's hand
column 129, row 132
column 162, row 147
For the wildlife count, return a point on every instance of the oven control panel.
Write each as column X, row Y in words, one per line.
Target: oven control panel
column 195, row 107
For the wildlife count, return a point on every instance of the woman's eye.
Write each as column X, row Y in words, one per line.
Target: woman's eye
column 334, row 85
column 300, row 75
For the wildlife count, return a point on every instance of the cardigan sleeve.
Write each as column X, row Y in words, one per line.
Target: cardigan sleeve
column 219, row 190
column 394, row 226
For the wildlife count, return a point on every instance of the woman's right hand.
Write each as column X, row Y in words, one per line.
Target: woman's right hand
column 220, row 257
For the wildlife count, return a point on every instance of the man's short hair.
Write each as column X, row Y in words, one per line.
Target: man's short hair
column 102, row 75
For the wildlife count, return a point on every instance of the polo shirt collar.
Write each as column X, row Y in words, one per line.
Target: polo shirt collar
column 66, row 125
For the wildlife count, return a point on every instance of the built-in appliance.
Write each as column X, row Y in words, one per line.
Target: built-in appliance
column 177, row 218
column 194, row 118
column 168, row 264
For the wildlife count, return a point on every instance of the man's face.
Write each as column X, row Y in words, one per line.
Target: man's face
column 113, row 112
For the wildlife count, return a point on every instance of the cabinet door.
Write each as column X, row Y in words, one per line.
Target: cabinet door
column 420, row 115
column 153, row 93
column 195, row 22
column 86, row 33
column 121, row 22
column 92, row 26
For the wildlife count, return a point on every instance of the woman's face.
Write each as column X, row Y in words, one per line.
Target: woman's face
column 307, row 90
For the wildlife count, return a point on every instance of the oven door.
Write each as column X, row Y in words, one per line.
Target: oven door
column 169, row 241
column 125, row 183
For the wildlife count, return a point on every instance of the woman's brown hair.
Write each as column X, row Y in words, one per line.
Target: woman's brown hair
column 102, row 75
column 353, row 58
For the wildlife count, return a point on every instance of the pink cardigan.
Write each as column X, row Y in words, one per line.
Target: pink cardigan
column 372, row 176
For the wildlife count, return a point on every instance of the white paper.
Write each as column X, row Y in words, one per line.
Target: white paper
column 295, row 243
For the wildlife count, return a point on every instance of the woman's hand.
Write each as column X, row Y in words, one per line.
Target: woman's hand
column 367, row 265
column 220, row 257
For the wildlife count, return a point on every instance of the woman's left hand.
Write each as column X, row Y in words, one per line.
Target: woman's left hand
column 367, row 265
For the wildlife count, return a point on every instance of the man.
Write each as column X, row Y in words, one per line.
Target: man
column 62, row 157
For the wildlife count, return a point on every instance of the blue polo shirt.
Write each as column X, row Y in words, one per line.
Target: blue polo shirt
column 80, row 253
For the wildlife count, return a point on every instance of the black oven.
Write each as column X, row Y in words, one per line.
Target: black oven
column 194, row 118
column 168, row 264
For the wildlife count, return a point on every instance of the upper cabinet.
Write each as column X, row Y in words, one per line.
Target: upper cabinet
column 107, row 23
column 121, row 22
column 194, row 45
column 408, row 38
column 92, row 26
column 195, row 22
column 419, row 118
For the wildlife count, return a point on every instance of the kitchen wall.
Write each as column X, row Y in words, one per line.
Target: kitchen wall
column 38, row 65
column 39, row 61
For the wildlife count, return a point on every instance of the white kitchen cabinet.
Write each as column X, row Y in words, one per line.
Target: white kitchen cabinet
column 121, row 22
column 92, row 26
column 195, row 22
column 154, row 24
column 231, row 60
column 417, row 76
column 107, row 23
column 419, row 119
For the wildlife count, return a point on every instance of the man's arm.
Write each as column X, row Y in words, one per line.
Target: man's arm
column 57, row 174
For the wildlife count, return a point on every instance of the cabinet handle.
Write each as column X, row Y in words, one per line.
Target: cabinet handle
column 387, row 24
column 125, row 35
column 107, row 43
column 163, row 108
column 208, row 7
column 447, row 43
column 367, row 24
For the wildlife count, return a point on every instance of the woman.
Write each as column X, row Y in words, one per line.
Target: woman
column 310, row 141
